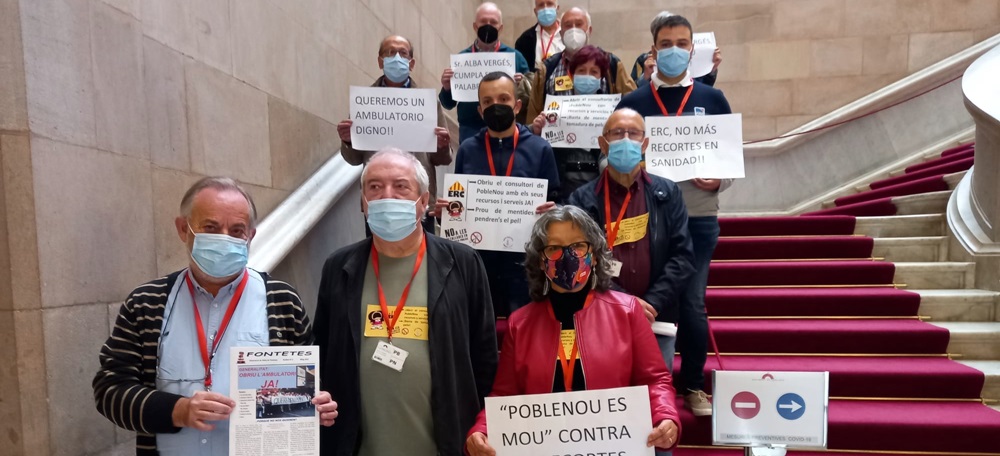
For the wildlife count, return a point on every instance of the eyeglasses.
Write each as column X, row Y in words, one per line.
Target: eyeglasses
column 402, row 53
column 615, row 134
column 555, row 252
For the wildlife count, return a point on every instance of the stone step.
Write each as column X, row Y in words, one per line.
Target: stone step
column 959, row 305
column 936, row 275
column 973, row 340
column 954, row 178
column 903, row 249
column 901, row 226
column 924, row 203
column 991, row 388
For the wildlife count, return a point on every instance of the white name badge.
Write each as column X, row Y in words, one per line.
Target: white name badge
column 616, row 268
column 390, row 356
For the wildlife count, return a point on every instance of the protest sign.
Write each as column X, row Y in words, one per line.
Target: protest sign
column 491, row 212
column 397, row 117
column 471, row 67
column 686, row 147
column 704, row 48
column 610, row 421
column 577, row 120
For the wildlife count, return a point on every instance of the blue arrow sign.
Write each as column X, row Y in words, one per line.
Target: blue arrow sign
column 791, row 406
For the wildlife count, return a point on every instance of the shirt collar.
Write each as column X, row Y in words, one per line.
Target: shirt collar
column 685, row 82
column 545, row 35
column 225, row 290
column 643, row 176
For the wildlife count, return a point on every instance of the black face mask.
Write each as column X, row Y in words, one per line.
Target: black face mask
column 488, row 34
column 498, row 117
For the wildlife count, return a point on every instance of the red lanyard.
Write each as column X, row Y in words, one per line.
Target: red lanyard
column 391, row 321
column 206, row 356
column 613, row 232
column 513, row 151
column 545, row 48
column 495, row 49
column 569, row 364
column 664, row 108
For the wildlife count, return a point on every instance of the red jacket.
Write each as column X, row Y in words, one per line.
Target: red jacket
column 610, row 332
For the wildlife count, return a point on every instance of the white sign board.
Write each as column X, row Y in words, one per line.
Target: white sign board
column 770, row 408
column 397, row 117
column 471, row 67
column 577, row 120
column 704, row 49
column 273, row 388
column 491, row 212
column 683, row 148
column 610, row 421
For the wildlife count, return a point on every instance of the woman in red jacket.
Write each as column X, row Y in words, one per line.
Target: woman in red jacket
column 577, row 334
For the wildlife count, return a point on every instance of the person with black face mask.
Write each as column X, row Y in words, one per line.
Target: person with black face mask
column 488, row 25
column 505, row 148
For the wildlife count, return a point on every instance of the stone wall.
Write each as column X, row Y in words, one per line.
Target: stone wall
column 786, row 62
column 109, row 109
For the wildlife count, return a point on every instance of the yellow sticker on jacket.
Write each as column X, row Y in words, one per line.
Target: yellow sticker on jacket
column 412, row 324
column 632, row 230
column 568, row 337
column 564, row 83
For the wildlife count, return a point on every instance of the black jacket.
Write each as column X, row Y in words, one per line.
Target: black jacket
column 525, row 44
column 672, row 259
column 463, row 346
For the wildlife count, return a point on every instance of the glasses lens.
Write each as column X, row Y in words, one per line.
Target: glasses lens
column 581, row 249
column 553, row 252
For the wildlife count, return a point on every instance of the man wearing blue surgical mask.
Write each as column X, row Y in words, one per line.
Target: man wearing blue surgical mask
column 397, row 59
column 645, row 221
column 672, row 92
column 415, row 294
column 165, row 369
column 543, row 39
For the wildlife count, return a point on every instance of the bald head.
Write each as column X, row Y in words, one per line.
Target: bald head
column 576, row 17
column 489, row 10
column 625, row 118
column 392, row 44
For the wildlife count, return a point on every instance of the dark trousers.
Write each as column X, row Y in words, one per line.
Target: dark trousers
column 692, row 327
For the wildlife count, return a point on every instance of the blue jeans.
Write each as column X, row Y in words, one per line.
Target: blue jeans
column 667, row 348
column 692, row 327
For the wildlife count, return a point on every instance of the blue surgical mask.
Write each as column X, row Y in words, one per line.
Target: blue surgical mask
column 672, row 61
column 624, row 155
column 547, row 16
column 392, row 219
column 219, row 255
column 396, row 68
column 585, row 84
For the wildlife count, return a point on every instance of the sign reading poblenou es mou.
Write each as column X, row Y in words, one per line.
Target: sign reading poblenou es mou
column 471, row 67
column 393, row 117
column 491, row 212
column 577, row 120
column 688, row 147
column 610, row 422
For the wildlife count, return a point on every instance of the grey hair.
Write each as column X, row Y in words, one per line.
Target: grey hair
column 490, row 5
column 221, row 184
column 423, row 180
column 586, row 14
column 534, row 259
column 659, row 17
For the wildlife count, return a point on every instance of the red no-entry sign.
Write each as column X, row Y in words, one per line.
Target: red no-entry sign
column 746, row 405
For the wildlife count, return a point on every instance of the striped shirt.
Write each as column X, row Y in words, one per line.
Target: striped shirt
column 125, row 385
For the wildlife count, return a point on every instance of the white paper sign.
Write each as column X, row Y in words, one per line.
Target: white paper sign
column 577, row 120
column 273, row 389
column 686, row 147
column 610, row 421
column 471, row 67
column 491, row 212
column 776, row 408
column 704, row 48
column 391, row 116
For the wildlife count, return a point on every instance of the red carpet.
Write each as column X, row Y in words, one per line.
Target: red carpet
column 940, row 161
column 751, row 273
column 893, row 336
column 874, row 208
column 794, row 248
column 925, row 185
column 958, row 149
column 740, row 302
column 786, row 226
column 940, row 170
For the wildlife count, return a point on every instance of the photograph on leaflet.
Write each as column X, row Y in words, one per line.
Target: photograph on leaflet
column 283, row 391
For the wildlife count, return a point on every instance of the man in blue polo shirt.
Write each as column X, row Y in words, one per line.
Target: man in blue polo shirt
column 488, row 25
column 672, row 92
column 506, row 148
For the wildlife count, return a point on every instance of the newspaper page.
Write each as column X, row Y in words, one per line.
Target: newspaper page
column 274, row 389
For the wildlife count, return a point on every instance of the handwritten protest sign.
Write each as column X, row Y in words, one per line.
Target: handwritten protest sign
column 578, row 120
column 388, row 116
column 686, row 147
column 609, row 421
column 471, row 67
column 491, row 212
column 704, row 48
